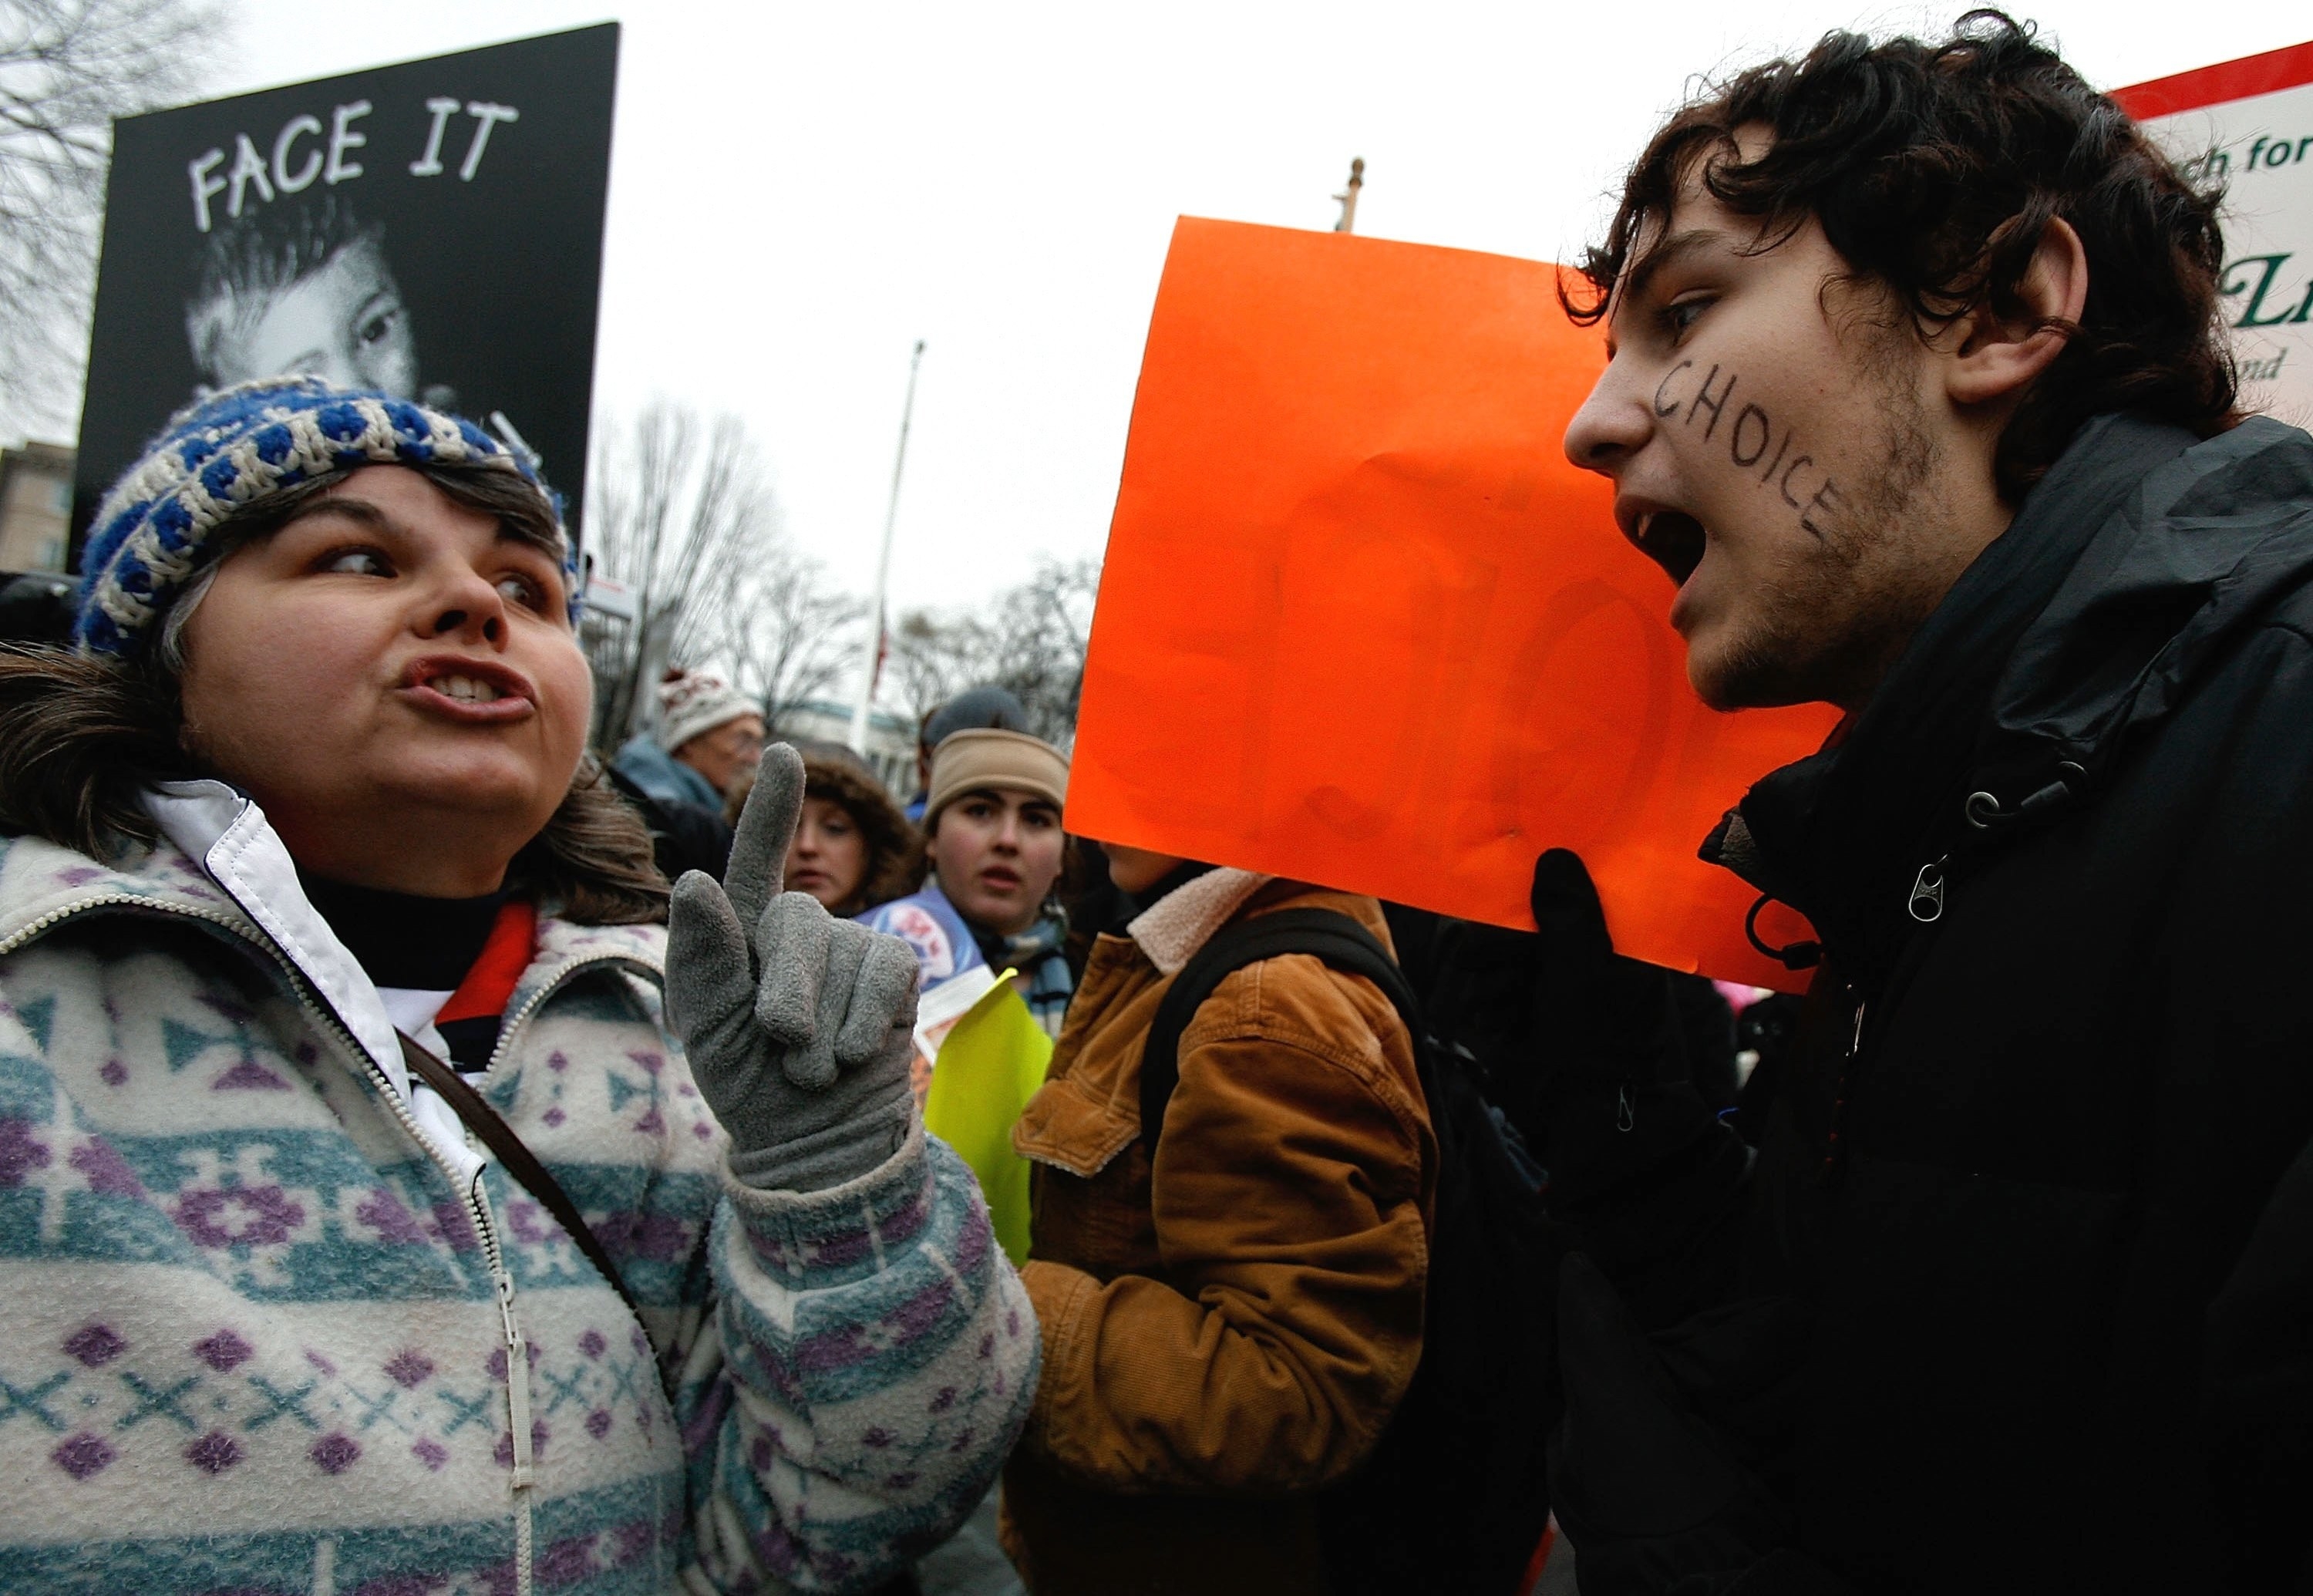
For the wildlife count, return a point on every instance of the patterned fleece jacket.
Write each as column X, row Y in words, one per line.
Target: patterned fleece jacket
column 272, row 1324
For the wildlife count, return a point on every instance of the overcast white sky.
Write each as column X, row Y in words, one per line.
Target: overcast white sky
column 799, row 191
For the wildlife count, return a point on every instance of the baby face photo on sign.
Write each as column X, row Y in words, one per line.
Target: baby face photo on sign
column 305, row 289
column 431, row 231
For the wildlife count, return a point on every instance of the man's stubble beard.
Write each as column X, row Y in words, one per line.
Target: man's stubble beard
column 1828, row 629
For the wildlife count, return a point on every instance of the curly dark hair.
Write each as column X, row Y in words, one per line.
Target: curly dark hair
column 1935, row 168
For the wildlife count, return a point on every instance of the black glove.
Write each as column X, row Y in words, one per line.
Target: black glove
column 1620, row 1095
column 1580, row 1048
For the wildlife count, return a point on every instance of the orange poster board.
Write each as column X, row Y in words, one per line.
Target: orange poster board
column 1361, row 623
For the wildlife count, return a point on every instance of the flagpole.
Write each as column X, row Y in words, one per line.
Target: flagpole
column 872, row 667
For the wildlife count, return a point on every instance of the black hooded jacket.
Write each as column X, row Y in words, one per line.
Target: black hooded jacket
column 2024, row 1300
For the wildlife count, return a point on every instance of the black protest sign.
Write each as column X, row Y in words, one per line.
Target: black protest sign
column 432, row 229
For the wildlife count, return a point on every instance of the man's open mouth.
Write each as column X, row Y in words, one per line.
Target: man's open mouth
column 1674, row 540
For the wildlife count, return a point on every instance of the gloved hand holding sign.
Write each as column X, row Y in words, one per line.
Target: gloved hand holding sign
column 1586, row 1052
column 797, row 1024
column 1619, row 1096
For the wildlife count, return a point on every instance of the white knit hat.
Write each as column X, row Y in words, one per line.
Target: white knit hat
column 692, row 703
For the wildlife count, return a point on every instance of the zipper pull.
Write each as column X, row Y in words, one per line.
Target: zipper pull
column 505, row 1286
column 517, row 1351
column 517, row 1385
column 1828, row 1170
column 1928, row 891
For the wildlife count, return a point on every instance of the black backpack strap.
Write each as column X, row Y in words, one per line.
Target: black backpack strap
column 1324, row 934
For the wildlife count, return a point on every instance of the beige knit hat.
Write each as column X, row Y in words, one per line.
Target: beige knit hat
column 693, row 702
column 968, row 761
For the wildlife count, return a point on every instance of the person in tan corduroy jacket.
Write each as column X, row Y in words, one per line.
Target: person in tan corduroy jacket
column 1226, row 1333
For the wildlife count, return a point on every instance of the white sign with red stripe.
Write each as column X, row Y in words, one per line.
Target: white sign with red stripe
column 2249, row 124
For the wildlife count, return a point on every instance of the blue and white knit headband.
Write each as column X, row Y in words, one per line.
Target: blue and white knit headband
column 219, row 458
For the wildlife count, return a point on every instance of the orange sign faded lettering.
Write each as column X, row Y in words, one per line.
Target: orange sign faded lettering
column 1361, row 624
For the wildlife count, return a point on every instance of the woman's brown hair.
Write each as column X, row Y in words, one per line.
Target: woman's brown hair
column 82, row 734
column 895, row 848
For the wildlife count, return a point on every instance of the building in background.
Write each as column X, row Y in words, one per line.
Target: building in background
column 36, row 488
column 891, row 738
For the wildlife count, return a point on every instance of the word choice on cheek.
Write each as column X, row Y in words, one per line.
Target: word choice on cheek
column 1748, row 436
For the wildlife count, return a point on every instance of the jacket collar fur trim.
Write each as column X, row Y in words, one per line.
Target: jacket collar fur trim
column 1185, row 919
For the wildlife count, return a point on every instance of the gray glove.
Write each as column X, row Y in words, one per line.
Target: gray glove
column 798, row 1024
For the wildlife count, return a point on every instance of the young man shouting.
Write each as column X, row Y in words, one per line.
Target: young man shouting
column 1918, row 391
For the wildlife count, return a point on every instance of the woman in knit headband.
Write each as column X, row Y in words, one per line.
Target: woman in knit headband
column 308, row 803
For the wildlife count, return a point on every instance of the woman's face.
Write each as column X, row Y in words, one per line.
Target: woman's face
column 395, row 680
column 829, row 856
column 998, row 852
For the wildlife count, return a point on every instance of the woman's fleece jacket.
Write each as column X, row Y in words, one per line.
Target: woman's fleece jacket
column 272, row 1325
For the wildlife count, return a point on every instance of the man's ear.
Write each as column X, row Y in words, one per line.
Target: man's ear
column 1997, row 357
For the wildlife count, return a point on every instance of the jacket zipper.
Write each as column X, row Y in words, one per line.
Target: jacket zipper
column 514, row 1022
column 517, row 1347
column 477, row 1202
column 517, row 1350
column 517, row 1356
column 1835, row 1150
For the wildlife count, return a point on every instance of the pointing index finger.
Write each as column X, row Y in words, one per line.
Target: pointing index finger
column 759, row 850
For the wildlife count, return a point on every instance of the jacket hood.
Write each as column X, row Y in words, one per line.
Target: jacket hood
column 2215, row 537
column 895, row 848
column 2131, row 570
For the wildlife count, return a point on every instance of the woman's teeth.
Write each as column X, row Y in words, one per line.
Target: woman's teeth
column 465, row 689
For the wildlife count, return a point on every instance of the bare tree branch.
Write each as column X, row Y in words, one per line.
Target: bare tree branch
column 796, row 634
column 932, row 659
column 1030, row 639
column 67, row 67
column 685, row 516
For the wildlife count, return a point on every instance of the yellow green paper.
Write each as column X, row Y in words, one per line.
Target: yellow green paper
column 988, row 1066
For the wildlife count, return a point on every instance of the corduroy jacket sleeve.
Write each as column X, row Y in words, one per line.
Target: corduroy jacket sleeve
column 1289, row 1195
